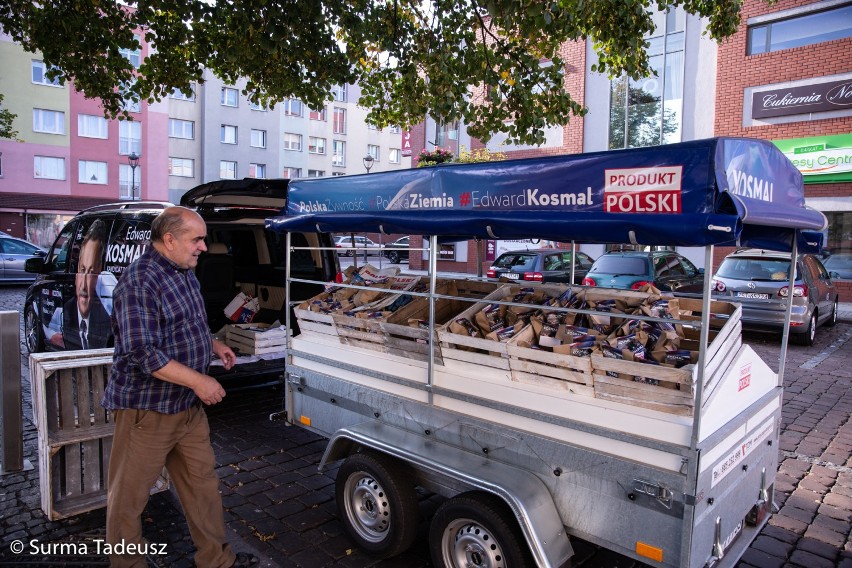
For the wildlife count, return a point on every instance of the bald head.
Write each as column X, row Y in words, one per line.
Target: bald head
column 178, row 234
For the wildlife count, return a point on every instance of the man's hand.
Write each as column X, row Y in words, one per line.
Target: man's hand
column 209, row 390
column 225, row 353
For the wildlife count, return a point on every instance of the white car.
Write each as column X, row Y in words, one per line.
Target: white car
column 357, row 241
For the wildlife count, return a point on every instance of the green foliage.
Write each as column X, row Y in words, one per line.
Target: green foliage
column 6, row 119
column 494, row 64
column 479, row 155
column 433, row 158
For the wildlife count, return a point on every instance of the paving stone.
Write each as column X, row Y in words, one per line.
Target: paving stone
column 817, row 547
column 808, row 560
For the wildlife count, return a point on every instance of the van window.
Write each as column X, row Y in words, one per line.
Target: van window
column 57, row 260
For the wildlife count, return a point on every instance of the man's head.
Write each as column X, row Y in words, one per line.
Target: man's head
column 89, row 266
column 178, row 234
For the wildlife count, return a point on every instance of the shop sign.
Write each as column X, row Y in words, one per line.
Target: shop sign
column 821, row 159
column 406, row 142
column 818, row 97
column 447, row 252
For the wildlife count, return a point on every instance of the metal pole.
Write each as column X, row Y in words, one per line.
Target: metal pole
column 791, row 284
column 11, row 421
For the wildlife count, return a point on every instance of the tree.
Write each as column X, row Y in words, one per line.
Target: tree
column 6, row 119
column 493, row 63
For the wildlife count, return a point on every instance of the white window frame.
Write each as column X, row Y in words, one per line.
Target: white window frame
column 48, row 121
column 227, row 94
column 134, row 56
column 339, row 92
column 43, row 166
column 92, row 126
column 228, row 134
column 179, row 167
column 316, row 173
column 38, row 65
column 178, row 95
column 318, row 145
column 178, row 129
column 291, row 173
column 226, row 166
column 338, row 153
column 257, row 171
column 339, row 128
column 287, row 145
column 129, row 137
column 128, row 178
column 375, row 151
column 258, row 138
column 92, row 172
column 288, row 107
column 321, row 115
column 395, row 155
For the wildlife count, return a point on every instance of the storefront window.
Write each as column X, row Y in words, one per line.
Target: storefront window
column 42, row 228
column 839, row 244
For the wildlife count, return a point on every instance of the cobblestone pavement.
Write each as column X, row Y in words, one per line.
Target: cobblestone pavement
column 280, row 507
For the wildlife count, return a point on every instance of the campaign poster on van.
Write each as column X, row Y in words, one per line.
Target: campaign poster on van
column 129, row 240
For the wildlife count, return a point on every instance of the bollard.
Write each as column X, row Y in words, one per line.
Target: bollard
column 11, row 419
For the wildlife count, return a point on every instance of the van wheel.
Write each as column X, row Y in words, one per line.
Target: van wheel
column 807, row 338
column 377, row 503
column 32, row 331
column 832, row 320
column 477, row 529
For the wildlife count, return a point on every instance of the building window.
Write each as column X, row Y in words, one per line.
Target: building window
column 258, row 138
column 394, row 155
column 648, row 111
column 90, row 126
column 48, row 121
column 338, row 157
column 318, row 114
column 134, row 56
column 316, row 145
column 181, row 129
column 291, row 173
column 129, row 182
column 339, row 93
column 257, row 171
column 372, row 127
column 227, row 170
column 230, row 97
column 373, row 151
column 39, row 75
column 444, row 133
column 179, row 95
column 129, row 137
column 131, row 105
column 316, row 173
column 809, row 28
column 292, row 107
column 339, row 120
column 181, row 167
column 92, row 172
column 257, row 106
column 335, row 174
column 292, row 141
column 228, row 134
column 394, row 129
column 45, row 167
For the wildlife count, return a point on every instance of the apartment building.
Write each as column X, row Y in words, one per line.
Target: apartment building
column 69, row 157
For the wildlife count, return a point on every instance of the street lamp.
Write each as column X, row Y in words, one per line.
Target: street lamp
column 368, row 162
column 133, row 160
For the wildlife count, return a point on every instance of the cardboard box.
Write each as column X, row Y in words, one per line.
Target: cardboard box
column 255, row 338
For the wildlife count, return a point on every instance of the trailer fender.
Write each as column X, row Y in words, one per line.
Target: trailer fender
column 526, row 494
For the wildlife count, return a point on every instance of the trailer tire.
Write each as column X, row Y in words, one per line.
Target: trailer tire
column 477, row 529
column 377, row 503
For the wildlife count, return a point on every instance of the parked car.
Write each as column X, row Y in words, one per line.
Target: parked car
column 759, row 280
column 669, row 271
column 79, row 272
column 839, row 266
column 397, row 250
column 540, row 265
column 14, row 254
column 359, row 241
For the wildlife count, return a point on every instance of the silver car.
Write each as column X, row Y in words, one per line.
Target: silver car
column 758, row 279
column 14, row 253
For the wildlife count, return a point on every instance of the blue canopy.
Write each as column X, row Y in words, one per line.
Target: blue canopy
column 719, row 191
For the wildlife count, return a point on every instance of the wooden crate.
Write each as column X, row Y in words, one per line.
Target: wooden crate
column 74, row 430
column 255, row 338
column 551, row 369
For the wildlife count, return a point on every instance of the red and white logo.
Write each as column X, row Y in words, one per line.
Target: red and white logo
column 643, row 190
column 745, row 376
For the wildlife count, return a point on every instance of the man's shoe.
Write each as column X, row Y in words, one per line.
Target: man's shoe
column 245, row 560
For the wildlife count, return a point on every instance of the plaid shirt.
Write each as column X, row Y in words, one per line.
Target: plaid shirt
column 158, row 316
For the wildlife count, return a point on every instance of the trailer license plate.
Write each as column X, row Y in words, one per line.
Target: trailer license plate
column 755, row 295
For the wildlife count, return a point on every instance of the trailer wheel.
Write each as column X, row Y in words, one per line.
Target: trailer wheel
column 377, row 503
column 477, row 529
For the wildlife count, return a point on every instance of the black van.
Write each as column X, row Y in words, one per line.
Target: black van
column 82, row 267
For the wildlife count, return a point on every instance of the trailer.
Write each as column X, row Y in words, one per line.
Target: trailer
column 669, row 466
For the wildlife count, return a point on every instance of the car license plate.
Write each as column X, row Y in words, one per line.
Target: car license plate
column 511, row 275
column 754, row 295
